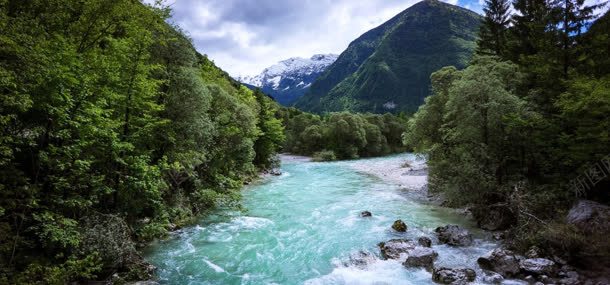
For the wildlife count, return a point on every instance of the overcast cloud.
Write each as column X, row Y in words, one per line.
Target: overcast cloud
column 245, row 36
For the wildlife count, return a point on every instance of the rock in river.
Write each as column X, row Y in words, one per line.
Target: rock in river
column 392, row 249
column 456, row 276
column 366, row 214
column 424, row 241
column 492, row 277
column 421, row 257
column 501, row 261
column 454, row 235
column 399, row 226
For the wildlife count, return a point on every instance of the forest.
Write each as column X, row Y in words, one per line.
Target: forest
column 522, row 132
column 342, row 135
column 114, row 131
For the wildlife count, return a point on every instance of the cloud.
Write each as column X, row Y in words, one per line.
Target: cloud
column 245, row 36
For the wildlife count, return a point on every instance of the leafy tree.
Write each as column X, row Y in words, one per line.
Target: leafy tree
column 272, row 132
column 465, row 128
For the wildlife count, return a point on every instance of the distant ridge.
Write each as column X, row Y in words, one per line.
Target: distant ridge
column 387, row 69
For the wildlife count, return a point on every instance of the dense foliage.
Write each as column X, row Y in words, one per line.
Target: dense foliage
column 525, row 128
column 113, row 130
column 387, row 69
column 342, row 135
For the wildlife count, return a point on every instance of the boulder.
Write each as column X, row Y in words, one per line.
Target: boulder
column 538, row 266
column 421, row 257
column 590, row 217
column 366, row 214
column 501, row 261
column 460, row 275
column 454, row 235
column 399, row 226
column 424, row 241
column 494, row 217
column 492, row 277
column 392, row 249
column 275, row 172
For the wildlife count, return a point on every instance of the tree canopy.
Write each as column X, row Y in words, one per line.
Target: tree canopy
column 113, row 130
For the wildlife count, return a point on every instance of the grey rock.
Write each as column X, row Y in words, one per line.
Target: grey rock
column 538, row 266
column 366, row 214
column 399, row 226
column 421, row 257
column 590, row 216
column 392, row 249
column 492, row 277
column 454, row 235
column 461, row 275
column 501, row 261
column 424, row 241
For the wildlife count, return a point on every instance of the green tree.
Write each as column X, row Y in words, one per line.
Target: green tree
column 272, row 132
column 494, row 29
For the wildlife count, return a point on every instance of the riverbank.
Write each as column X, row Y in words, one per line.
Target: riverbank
column 410, row 174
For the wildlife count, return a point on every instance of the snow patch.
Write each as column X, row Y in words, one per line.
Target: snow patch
column 297, row 69
column 275, row 81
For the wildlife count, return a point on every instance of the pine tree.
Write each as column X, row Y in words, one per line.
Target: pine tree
column 530, row 32
column 492, row 34
column 572, row 19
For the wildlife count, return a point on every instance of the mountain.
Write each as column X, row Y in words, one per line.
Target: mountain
column 388, row 68
column 289, row 79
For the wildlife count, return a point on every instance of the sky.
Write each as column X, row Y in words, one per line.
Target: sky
column 245, row 36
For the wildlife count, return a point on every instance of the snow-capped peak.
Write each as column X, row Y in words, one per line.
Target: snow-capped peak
column 291, row 68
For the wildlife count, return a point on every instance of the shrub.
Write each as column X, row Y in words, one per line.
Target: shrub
column 325, row 155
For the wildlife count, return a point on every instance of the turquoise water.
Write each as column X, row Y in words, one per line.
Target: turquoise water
column 301, row 227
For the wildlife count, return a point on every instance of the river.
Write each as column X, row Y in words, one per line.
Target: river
column 303, row 226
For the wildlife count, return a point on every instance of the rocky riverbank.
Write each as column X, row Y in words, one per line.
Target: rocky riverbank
column 500, row 266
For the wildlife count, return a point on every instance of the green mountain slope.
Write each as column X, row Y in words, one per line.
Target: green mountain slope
column 387, row 69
